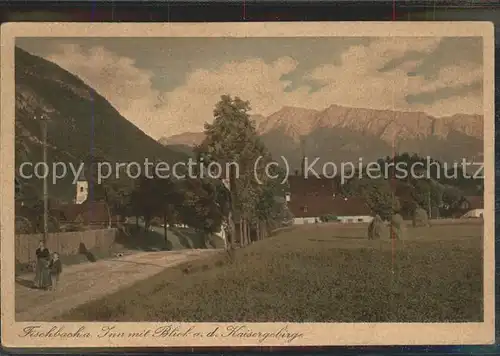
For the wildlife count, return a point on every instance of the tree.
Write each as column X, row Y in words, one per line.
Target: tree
column 23, row 225
column 232, row 139
column 204, row 205
column 157, row 197
column 420, row 217
column 169, row 200
column 135, row 205
column 437, row 191
column 452, row 197
column 422, row 194
column 118, row 195
column 145, row 200
column 377, row 193
column 271, row 206
column 375, row 228
column 404, row 191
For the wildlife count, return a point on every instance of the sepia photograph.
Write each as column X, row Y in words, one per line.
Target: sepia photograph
column 247, row 184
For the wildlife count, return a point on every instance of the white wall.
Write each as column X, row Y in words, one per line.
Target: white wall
column 476, row 213
column 301, row 221
column 343, row 219
column 222, row 235
column 82, row 191
column 355, row 219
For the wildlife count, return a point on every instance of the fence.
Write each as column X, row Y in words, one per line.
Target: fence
column 66, row 243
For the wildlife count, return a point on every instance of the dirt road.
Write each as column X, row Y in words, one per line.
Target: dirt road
column 82, row 283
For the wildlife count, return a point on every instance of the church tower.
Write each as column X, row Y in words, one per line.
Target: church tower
column 82, row 190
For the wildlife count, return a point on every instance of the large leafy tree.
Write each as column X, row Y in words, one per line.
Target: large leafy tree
column 157, row 197
column 169, row 200
column 205, row 202
column 377, row 193
column 232, row 139
column 145, row 200
column 452, row 197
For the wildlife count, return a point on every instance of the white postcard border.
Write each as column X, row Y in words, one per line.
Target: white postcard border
column 314, row 334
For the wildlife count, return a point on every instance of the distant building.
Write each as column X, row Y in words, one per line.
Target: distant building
column 312, row 186
column 83, row 212
column 472, row 207
column 311, row 210
column 474, row 213
column 472, row 202
column 82, row 190
column 95, row 215
column 312, row 199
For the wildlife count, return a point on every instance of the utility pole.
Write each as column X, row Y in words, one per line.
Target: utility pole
column 429, row 204
column 303, row 158
column 43, row 119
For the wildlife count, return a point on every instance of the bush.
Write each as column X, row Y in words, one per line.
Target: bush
column 420, row 217
column 397, row 227
column 328, row 218
column 375, row 228
column 157, row 222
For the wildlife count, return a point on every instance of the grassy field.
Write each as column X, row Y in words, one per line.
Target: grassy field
column 316, row 273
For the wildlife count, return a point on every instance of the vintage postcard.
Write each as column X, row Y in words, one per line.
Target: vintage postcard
column 247, row 184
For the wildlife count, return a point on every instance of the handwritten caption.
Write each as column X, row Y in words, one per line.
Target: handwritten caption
column 115, row 332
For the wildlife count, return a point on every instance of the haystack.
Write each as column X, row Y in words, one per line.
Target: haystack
column 375, row 228
column 397, row 227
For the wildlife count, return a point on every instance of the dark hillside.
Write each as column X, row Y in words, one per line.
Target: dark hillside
column 82, row 123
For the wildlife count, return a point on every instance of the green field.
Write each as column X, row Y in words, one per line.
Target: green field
column 316, row 273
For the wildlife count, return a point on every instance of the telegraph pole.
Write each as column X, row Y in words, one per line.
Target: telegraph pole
column 43, row 119
column 429, row 204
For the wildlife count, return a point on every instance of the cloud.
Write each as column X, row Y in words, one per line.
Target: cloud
column 116, row 78
column 463, row 49
column 355, row 81
column 359, row 80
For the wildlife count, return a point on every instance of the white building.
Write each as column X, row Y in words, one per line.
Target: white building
column 474, row 213
column 82, row 191
column 316, row 208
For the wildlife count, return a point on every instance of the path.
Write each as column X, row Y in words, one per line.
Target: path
column 82, row 283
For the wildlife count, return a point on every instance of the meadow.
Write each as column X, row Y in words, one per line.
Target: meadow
column 316, row 273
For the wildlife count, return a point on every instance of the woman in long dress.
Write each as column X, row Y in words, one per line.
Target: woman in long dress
column 42, row 273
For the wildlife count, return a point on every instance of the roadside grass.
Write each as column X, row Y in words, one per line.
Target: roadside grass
column 323, row 273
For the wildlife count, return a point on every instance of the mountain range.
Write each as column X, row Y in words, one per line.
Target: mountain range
column 343, row 134
column 82, row 123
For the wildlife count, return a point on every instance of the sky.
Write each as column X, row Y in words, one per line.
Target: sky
column 167, row 86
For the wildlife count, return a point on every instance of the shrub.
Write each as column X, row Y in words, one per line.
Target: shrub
column 397, row 227
column 328, row 218
column 420, row 217
column 375, row 228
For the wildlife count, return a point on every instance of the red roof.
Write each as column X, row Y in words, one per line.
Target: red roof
column 317, row 206
column 88, row 212
column 312, row 186
column 352, row 206
column 475, row 202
